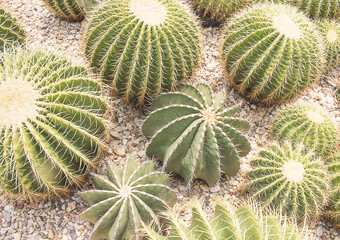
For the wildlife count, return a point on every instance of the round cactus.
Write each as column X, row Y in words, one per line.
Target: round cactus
column 50, row 123
column 272, row 52
column 71, row 10
column 290, row 178
column 10, row 32
column 308, row 123
column 228, row 223
column 126, row 198
column 333, row 210
column 330, row 31
column 214, row 12
column 194, row 136
column 141, row 47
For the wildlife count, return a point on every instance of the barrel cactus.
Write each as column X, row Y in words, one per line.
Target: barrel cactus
column 142, row 47
column 228, row 222
column 214, row 12
column 272, row 52
column 330, row 31
column 71, row 10
column 10, row 32
column 126, row 198
column 194, row 135
column 291, row 178
column 51, row 123
column 308, row 123
column 333, row 210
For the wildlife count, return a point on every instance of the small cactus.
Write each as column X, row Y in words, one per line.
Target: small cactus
column 126, row 198
column 10, row 32
column 330, row 31
column 51, row 123
column 333, row 210
column 228, row 222
column 71, row 10
column 290, row 178
column 308, row 123
column 141, row 47
column 215, row 12
column 272, row 52
column 194, row 136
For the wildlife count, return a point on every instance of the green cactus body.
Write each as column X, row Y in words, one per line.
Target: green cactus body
column 141, row 47
column 126, row 198
column 289, row 178
column 214, row 12
column 330, row 31
column 333, row 210
column 50, row 123
column 71, row 10
column 10, row 32
column 194, row 136
column 272, row 52
column 228, row 223
column 308, row 123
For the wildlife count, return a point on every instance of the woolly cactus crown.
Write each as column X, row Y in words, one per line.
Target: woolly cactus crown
column 10, row 32
column 142, row 47
column 272, row 52
column 51, row 123
column 70, row 10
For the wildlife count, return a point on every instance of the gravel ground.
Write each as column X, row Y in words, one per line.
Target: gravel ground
column 59, row 218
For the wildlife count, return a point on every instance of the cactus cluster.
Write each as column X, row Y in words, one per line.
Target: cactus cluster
column 272, row 52
column 126, row 198
column 228, row 222
column 10, row 32
column 214, row 12
column 194, row 135
column 51, row 123
column 71, row 10
column 289, row 177
column 141, row 47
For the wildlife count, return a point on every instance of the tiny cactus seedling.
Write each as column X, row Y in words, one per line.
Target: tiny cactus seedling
column 126, row 198
column 194, row 136
column 10, row 32
column 228, row 222
column 272, row 52
column 308, row 123
column 141, row 47
column 215, row 12
column 290, row 178
column 330, row 31
column 51, row 123
column 333, row 210
column 71, row 10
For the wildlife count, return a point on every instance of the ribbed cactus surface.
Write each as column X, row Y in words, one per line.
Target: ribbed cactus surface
column 51, row 123
column 194, row 135
column 70, row 10
column 272, row 52
column 126, row 198
column 216, row 11
column 330, row 31
column 290, row 178
column 308, row 123
column 142, row 47
column 228, row 222
column 333, row 210
column 10, row 32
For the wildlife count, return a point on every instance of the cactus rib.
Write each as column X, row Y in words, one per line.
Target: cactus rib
column 71, row 10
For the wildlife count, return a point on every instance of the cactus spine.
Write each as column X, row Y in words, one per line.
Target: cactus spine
column 141, row 47
column 10, row 32
column 51, row 123
column 126, row 198
column 272, row 52
column 308, row 123
column 71, row 10
column 194, row 136
column 290, row 178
